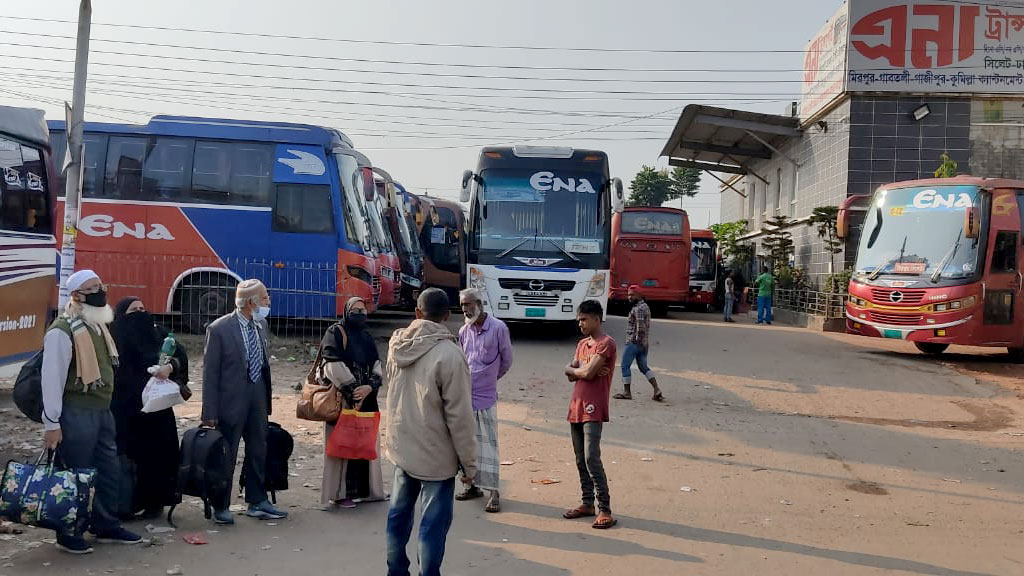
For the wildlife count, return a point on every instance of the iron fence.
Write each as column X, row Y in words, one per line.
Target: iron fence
column 826, row 304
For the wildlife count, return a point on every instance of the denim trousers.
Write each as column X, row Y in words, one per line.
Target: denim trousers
column 635, row 352
column 727, row 306
column 437, row 500
column 764, row 309
column 586, row 443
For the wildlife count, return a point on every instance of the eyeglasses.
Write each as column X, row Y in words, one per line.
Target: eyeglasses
column 94, row 289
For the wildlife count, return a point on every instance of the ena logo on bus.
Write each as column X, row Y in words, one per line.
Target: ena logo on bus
column 547, row 182
column 926, row 199
column 100, row 225
column 304, row 163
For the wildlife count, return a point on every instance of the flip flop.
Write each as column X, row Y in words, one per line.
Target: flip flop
column 658, row 397
column 578, row 512
column 493, row 505
column 604, row 522
column 621, row 396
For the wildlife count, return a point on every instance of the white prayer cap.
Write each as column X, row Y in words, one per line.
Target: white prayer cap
column 76, row 280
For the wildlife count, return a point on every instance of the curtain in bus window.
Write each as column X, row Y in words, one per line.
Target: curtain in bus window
column 167, row 169
column 303, row 208
column 23, row 190
column 124, row 168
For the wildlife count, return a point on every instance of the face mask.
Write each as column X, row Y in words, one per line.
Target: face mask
column 261, row 313
column 96, row 299
column 140, row 318
column 356, row 320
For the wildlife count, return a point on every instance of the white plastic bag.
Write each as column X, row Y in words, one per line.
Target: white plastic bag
column 160, row 394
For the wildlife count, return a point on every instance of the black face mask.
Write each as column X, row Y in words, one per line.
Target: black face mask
column 96, row 299
column 140, row 320
column 356, row 320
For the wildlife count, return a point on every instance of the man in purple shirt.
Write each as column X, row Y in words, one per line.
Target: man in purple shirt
column 488, row 348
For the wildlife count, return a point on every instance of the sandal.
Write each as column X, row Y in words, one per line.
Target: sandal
column 604, row 521
column 579, row 512
column 622, row 396
column 470, row 494
column 658, row 397
column 493, row 505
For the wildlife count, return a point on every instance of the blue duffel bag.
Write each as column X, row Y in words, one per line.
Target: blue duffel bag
column 47, row 495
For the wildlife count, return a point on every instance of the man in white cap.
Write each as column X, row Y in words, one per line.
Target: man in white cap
column 79, row 358
column 236, row 393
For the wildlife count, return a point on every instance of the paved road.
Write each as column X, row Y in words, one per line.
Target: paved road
column 801, row 453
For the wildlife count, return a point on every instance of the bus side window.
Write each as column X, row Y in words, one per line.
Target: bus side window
column 1004, row 254
column 23, row 189
column 124, row 168
column 168, row 169
column 252, row 166
column 303, row 208
column 210, row 173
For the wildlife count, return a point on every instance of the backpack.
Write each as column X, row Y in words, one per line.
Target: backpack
column 279, row 450
column 28, row 388
column 205, row 469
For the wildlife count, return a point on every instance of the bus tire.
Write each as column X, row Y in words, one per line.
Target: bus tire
column 1016, row 353
column 203, row 302
column 931, row 348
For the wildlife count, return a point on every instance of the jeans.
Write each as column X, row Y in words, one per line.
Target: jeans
column 89, row 442
column 437, row 499
column 764, row 309
column 586, row 442
column 639, row 354
column 730, row 300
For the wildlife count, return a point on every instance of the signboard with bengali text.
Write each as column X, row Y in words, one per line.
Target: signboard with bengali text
column 825, row 65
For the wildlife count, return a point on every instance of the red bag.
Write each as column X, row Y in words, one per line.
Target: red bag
column 354, row 436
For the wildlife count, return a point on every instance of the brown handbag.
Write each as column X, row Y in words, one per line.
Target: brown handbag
column 320, row 401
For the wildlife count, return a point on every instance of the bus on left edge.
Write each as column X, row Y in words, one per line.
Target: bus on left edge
column 27, row 245
column 179, row 210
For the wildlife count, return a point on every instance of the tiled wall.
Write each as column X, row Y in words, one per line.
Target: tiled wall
column 997, row 138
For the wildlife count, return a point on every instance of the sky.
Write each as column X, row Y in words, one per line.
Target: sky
column 610, row 74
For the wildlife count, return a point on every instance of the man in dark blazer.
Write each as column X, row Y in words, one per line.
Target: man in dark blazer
column 236, row 393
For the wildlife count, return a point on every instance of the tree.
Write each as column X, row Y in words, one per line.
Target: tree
column 948, row 168
column 778, row 242
column 652, row 187
column 727, row 236
column 826, row 218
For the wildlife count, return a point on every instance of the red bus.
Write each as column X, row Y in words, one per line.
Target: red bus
column 940, row 262
column 703, row 269
column 651, row 248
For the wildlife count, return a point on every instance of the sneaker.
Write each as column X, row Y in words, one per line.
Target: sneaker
column 265, row 511
column 223, row 517
column 117, row 536
column 73, row 545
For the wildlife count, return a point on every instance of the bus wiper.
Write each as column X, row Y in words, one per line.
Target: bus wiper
column 564, row 251
column 878, row 269
column 947, row 258
column 513, row 249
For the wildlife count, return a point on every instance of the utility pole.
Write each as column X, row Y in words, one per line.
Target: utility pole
column 75, row 168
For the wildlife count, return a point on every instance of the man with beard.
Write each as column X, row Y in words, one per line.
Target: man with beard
column 79, row 357
column 488, row 348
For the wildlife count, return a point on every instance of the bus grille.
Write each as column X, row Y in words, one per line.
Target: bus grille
column 546, row 301
column 884, row 296
column 548, row 285
column 897, row 319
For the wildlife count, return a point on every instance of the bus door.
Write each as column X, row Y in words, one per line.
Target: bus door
column 304, row 233
column 1003, row 301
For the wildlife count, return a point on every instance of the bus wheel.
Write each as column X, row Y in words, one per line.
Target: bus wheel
column 202, row 305
column 1016, row 354
column 931, row 347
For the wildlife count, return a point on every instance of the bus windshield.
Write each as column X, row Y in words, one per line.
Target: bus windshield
column 555, row 212
column 918, row 232
column 652, row 223
column 351, row 177
column 377, row 225
column 406, row 226
column 702, row 259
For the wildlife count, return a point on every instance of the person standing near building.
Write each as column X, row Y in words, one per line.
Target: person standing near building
column 591, row 372
column 765, row 284
column 79, row 358
column 431, row 432
column 729, row 297
column 488, row 348
column 236, row 394
column 638, row 328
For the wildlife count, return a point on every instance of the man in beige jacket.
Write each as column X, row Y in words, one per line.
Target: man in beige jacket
column 431, row 432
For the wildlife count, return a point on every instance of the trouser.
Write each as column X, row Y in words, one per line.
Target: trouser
column 764, row 309
column 639, row 354
column 727, row 306
column 253, row 429
column 89, row 441
column 437, row 501
column 586, row 442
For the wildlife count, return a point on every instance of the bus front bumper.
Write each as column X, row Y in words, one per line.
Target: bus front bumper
column 944, row 333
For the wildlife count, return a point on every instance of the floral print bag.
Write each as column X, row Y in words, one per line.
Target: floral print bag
column 47, row 496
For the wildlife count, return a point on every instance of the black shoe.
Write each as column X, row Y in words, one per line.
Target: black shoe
column 117, row 536
column 73, row 545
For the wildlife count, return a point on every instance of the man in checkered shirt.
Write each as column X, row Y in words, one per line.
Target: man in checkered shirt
column 638, row 329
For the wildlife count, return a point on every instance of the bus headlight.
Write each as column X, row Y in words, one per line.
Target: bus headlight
column 597, row 286
column 476, row 279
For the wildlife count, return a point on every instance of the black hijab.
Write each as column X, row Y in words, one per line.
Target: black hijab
column 135, row 334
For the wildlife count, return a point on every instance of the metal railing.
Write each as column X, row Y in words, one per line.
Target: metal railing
column 825, row 304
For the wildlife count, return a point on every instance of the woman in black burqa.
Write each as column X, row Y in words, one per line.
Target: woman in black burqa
column 147, row 443
column 349, row 343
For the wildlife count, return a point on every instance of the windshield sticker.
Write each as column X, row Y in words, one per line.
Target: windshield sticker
column 968, row 267
column 582, row 247
column 931, row 199
column 910, row 267
column 35, row 182
column 896, row 211
column 437, row 235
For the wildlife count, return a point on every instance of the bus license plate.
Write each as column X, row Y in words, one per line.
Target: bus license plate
column 535, row 312
column 650, row 283
column 898, row 334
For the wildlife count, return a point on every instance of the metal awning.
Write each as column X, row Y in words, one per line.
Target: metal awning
column 724, row 140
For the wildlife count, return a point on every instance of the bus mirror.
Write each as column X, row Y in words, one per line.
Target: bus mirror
column 618, row 201
column 842, row 226
column 971, row 224
column 467, row 180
